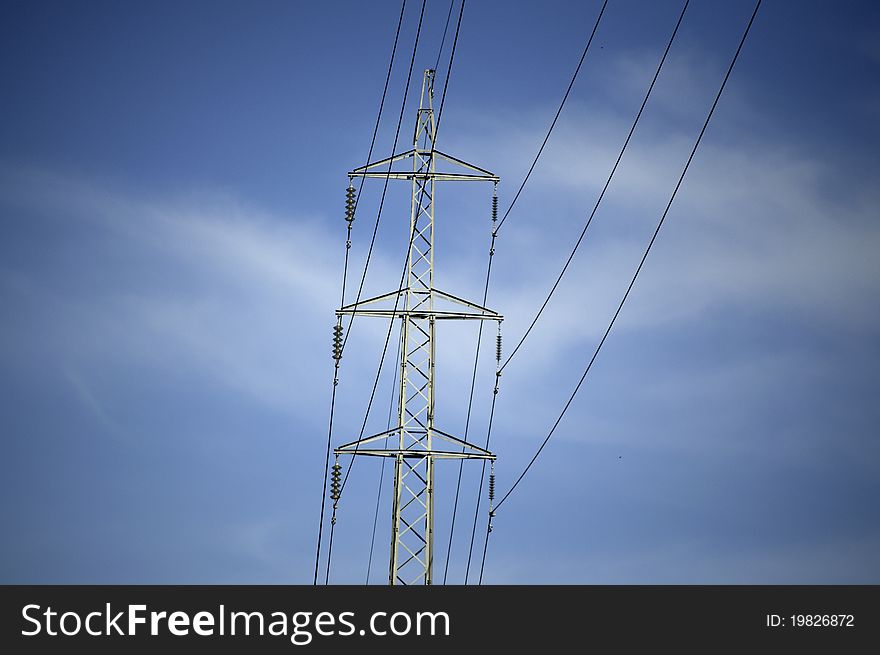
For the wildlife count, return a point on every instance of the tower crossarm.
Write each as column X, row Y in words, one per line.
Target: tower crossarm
column 382, row 169
column 423, row 310
column 468, row 450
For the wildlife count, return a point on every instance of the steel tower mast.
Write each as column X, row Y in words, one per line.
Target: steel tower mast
column 416, row 440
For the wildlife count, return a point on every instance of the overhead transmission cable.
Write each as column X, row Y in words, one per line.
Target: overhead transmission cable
column 495, row 229
column 467, row 421
column 445, row 30
column 366, row 266
column 583, row 233
column 368, row 258
column 644, row 256
column 556, row 117
column 382, row 468
column 641, row 262
column 399, row 123
column 344, row 279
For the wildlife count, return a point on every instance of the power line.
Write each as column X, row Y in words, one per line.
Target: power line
column 344, row 279
column 373, row 139
column 644, row 256
column 399, row 123
column 375, row 386
column 448, row 73
column 485, row 299
column 382, row 470
column 445, row 29
column 556, row 117
column 485, row 550
column 367, row 262
column 329, row 550
column 385, row 186
column 467, row 421
column 326, row 468
column 480, row 491
column 580, row 238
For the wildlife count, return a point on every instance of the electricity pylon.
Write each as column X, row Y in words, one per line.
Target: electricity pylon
column 417, row 441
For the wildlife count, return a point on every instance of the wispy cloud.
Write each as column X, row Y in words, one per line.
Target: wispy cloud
column 93, row 405
column 229, row 291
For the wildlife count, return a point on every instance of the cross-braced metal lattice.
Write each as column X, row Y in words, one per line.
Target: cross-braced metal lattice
column 417, row 306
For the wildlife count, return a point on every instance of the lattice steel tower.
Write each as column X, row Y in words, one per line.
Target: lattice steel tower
column 415, row 443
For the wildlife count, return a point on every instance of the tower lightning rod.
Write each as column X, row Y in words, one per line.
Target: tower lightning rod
column 418, row 305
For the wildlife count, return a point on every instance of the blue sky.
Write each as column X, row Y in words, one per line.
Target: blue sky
column 171, row 203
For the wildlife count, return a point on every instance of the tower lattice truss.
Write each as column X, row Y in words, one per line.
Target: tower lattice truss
column 415, row 443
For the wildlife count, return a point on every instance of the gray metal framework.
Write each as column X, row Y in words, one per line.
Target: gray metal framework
column 418, row 305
